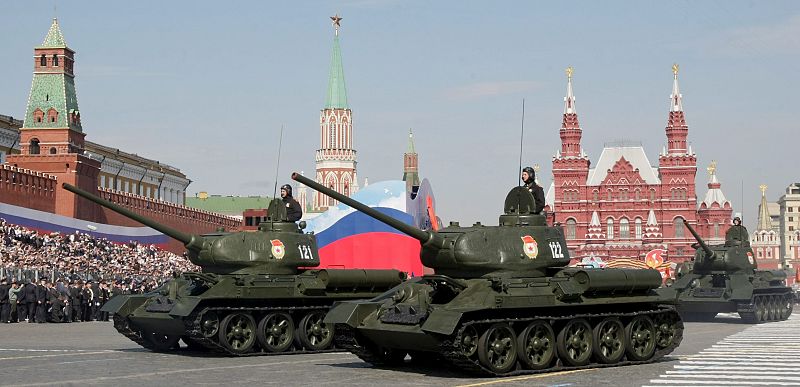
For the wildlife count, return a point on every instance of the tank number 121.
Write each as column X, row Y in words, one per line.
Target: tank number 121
column 305, row 252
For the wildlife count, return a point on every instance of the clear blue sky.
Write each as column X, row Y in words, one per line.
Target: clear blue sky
column 205, row 86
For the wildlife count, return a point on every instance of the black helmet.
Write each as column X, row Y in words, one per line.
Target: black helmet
column 288, row 189
column 531, row 174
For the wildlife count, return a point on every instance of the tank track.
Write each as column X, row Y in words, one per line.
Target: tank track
column 193, row 331
column 451, row 351
column 748, row 312
column 122, row 326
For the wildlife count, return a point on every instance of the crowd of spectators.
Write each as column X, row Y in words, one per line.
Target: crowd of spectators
column 61, row 262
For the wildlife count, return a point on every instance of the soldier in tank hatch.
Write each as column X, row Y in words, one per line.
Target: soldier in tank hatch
column 293, row 210
column 737, row 234
column 529, row 179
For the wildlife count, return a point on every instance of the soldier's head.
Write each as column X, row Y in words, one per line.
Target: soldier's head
column 286, row 191
column 528, row 175
column 737, row 221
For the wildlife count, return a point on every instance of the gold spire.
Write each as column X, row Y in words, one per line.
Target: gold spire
column 675, row 69
column 763, row 188
column 764, row 219
column 712, row 167
column 569, row 72
column 336, row 23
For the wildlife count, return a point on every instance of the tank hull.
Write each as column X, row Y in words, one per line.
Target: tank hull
column 244, row 315
column 422, row 319
column 757, row 298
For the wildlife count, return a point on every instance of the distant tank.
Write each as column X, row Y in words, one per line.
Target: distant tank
column 724, row 279
column 502, row 302
column 255, row 295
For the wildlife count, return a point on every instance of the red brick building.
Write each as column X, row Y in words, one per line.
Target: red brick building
column 623, row 206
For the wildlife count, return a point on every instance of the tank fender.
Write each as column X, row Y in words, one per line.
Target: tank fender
column 123, row 304
column 351, row 312
column 442, row 322
column 185, row 306
column 742, row 288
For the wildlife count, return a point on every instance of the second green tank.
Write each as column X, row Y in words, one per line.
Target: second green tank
column 503, row 302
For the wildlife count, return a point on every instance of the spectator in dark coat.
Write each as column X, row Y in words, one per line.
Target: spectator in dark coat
column 41, row 302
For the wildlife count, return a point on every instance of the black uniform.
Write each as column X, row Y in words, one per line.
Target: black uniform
column 30, row 301
column 41, row 303
column 538, row 196
column 75, row 294
column 5, row 307
column 293, row 210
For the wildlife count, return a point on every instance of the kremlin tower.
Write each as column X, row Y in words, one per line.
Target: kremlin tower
column 336, row 158
column 411, row 167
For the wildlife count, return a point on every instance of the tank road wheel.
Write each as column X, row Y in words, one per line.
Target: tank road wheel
column 314, row 334
column 469, row 341
column 237, row 332
column 787, row 303
column 497, row 348
column 761, row 311
column 275, row 332
column 574, row 342
column 209, row 324
column 770, row 306
column 161, row 342
column 609, row 340
column 666, row 328
column 537, row 345
column 640, row 335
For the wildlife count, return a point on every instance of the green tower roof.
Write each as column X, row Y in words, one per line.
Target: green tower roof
column 54, row 38
column 337, row 93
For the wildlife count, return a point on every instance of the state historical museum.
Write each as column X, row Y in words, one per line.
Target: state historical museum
column 624, row 207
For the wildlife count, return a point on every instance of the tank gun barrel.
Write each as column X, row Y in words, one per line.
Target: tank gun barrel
column 186, row 239
column 420, row 235
column 703, row 245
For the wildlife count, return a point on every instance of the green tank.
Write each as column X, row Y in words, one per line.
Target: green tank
column 503, row 302
column 724, row 279
column 256, row 294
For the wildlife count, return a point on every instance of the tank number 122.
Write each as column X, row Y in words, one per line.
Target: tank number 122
column 555, row 249
column 305, row 252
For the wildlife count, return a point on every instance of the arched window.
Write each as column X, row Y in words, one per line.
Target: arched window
column 43, row 60
column 53, row 150
column 652, row 195
column 637, row 194
column 609, row 196
column 623, row 194
column 571, row 225
column 55, row 60
column 52, row 115
column 33, row 148
column 624, row 229
column 716, row 230
column 38, row 115
column 595, row 195
column 610, row 228
column 332, row 131
column 638, row 228
column 679, row 229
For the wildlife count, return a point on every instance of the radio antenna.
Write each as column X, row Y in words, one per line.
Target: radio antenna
column 521, row 136
column 278, row 164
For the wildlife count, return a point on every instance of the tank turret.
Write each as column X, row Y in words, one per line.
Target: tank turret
column 521, row 244
column 278, row 247
column 726, row 257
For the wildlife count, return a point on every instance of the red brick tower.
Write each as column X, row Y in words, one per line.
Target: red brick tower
column 51, row 138
column 411, row 167
column 677, row 166
column 571, row 170
column 714, row 214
